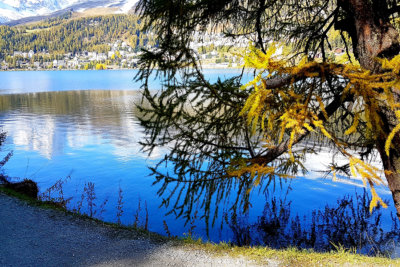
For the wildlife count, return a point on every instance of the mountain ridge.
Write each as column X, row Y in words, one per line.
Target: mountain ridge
column 26, row 11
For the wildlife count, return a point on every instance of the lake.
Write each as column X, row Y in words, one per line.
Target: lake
column 83, row 125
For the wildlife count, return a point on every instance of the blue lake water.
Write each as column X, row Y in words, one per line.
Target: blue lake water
column 83, row 124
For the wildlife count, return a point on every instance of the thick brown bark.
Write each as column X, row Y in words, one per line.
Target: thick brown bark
column 391, row 165
column 371, row 31
column 373, row 36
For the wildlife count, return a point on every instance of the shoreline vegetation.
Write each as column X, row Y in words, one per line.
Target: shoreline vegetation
column 259, row 254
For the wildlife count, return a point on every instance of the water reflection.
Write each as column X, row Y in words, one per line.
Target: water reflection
column 48, row 122
column 95, row 133
column 347, row 223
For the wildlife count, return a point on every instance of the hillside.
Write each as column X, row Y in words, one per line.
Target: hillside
column 86, row 41
column 65, row 35
column 74, row 42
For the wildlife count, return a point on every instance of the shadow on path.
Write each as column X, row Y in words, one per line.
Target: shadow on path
column 33, row 236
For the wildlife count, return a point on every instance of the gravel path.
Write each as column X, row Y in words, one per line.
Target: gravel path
column 33, row 236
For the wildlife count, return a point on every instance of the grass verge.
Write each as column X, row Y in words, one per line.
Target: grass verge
column 297, row 257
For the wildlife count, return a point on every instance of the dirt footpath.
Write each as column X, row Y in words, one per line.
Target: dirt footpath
column 33, row 236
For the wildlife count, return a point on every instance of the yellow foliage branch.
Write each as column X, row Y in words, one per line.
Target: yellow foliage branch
column 285, row 107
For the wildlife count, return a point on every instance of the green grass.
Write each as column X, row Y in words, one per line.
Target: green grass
column 292, row 256
column 262, row 255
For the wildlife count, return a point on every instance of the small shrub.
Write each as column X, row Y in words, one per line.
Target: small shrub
column 90, row 198
column 3, row 177
column 55, row 193
column 120, row 204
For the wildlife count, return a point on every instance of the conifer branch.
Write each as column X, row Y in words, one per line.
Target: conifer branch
column 283, row 147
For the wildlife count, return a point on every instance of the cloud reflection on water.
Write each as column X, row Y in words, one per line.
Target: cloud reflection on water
column 97, row 133
column 50, row 121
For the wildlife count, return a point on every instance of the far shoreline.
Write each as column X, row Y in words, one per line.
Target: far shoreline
column 204, row 67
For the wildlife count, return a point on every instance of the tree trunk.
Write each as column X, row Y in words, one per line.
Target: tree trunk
column 373, row 36
column 391, row 165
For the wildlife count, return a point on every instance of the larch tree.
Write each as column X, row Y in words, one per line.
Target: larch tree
column 225, row 134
